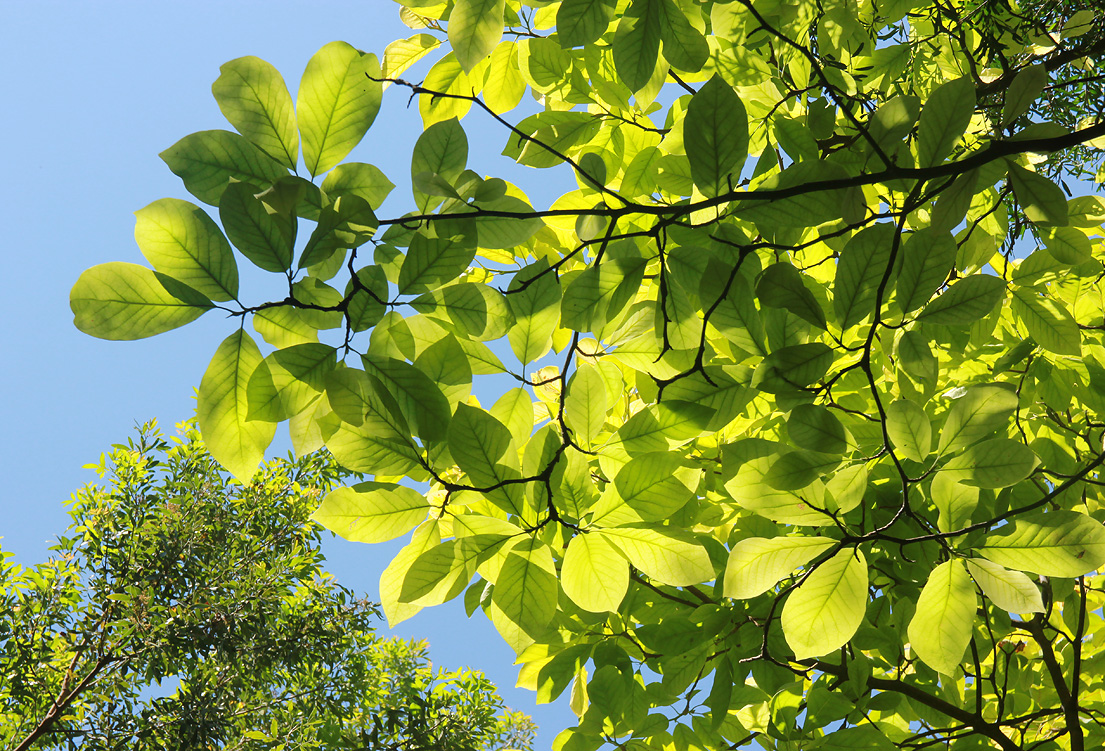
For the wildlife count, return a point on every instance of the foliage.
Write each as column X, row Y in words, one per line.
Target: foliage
column 806, row 449
column 184, row 611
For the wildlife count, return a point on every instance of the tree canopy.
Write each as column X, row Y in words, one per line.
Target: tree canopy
column 182, row 610
column 805, row 443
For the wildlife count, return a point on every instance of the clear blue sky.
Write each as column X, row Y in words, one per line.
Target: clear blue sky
column 92, row 93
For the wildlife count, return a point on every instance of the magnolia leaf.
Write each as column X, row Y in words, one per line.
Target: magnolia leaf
column 581, row 22
column 207, row 161
column 954, row 501
column 978, row 412
column 475, row 27
column 716, row 136
column 945, row 617
column 1048, row 321
column 222, row 407
column 1059, row 543
column 815, row 428
column 524, row 600
column 585, row 406
column 944, row 118
column 123, row 301
column 965, row 301
column 909, row 429
column 665, row 554
column 781, row 286
column 594, row 575
column 181, row 241
column 337, row 102
column 860, row 271
column 757, row 564
column 289, row 381
column 1025, row 87
column 927, row 258
column 372, row 511
column 1042, row 200
column 823, row 613
column 1012, row 591
column 253, row 96
column 264, row 237
column 997, row 463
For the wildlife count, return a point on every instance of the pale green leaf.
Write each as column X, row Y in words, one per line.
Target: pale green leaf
column 978, row 412
column 372, row 511
column 1042, row 201
column 222, row 407
column 757, row 564
column 475, row 27
column 263, row 236
column 667, row 555
column 524, row 600
column 997, row 463
column 780, row 286
column 362, row 180
column 336, row 103
column 927, row 258
column 909, row 429
column 391, row 581
column 181, row 241
column 823, row 613
column 1047, row 320
column 944, row 118
column 941, row 627
column 585, row 405
column 122, row 301
column 965, row 301
column 594, row 575
column 253, row 96
column 716, row 137
column 208, row 160
column 1011, row 591
column 815, row 428
column 1059, row 543
column 954, row 501
column 419, row 398
column 1024, row 89
column 289, row 381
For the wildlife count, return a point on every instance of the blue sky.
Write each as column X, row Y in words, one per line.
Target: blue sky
column 92, row 93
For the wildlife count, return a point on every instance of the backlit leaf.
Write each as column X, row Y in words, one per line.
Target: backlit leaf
column 823, row 613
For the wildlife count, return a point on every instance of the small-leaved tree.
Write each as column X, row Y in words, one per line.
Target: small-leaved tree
column 806, row 443
column 182, row 610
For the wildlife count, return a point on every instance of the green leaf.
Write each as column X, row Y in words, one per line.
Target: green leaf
column 909, row 429
column 715, row 132
column 944, row 118
column 122, row 301
column 954, row 501
column 348, row 222
column 655, row 485
column 181, row 241
column 288, row 381
column 823, row 613
column 264, row 237
column 441, row 150
column 860, row 271
column 524, row 600
column 475, row 27
column 434, row 261
column 1011, row 591
column 637, row 43
column 981, row 410
column 780, row 286
column 336, row 103
column 222, row 408
column 757, row 564
column 207, row 161
column 792, row 367
column 685, row 47
column 916, row 359
column 362, row 180
column 534, row 299
column 483, row 447
column 478, row 310
column 419, row 398
column 1059, row 543
column 391, row 581
column 928, row 256
column 1023, row 90
column 594, row 575
column 965, row 301
column 253, row 96
column 814, row 428
column 585, row 405
column 997, row 463
column 581, row 22
column 1042, row 201
column 442, row 572
column 805, row 208
column 600, row 293
column 667, row 555
column 1047, row 320
column 945, row 617
column 372, row 511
